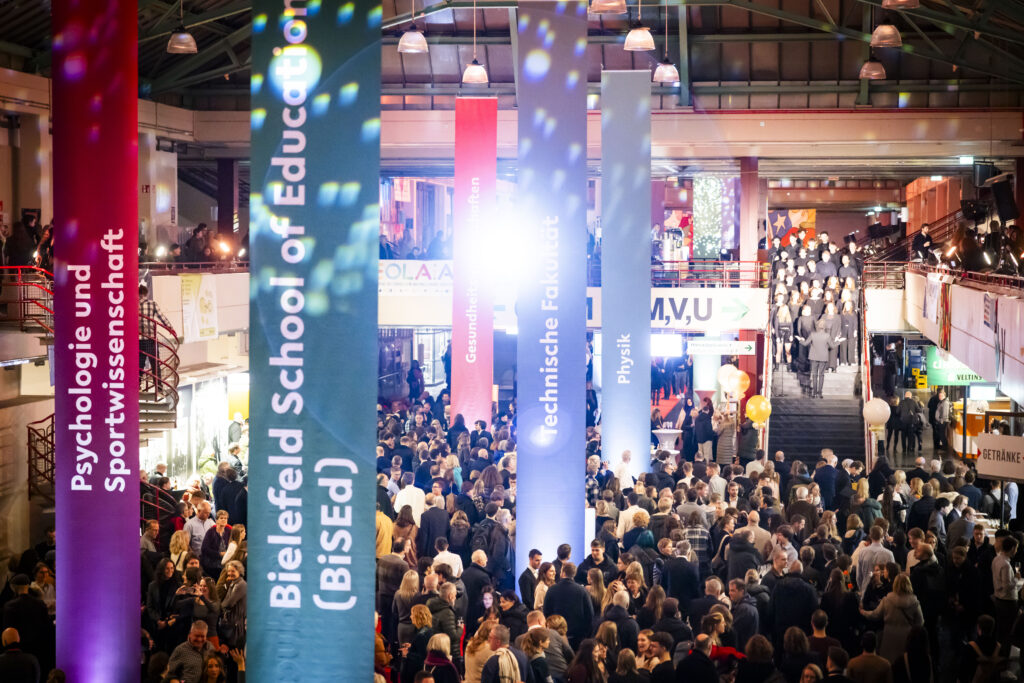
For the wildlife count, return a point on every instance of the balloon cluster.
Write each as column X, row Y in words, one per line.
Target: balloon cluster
column 732, row 380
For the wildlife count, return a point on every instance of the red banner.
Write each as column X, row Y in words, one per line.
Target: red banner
column 476, row 157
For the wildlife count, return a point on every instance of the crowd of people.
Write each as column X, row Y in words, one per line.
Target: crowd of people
column 26, row 243
column 193, row 553
column 756, row 569
column 815, row 303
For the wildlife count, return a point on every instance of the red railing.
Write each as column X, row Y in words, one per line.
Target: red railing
column 865, row 380
column 40, row 458
column 31, row 304
column 884, row 275
column 161, row 385
column 173, row 267
column 150, row 510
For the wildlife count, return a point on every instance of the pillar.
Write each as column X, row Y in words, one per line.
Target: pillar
column 158, row 194
column 750, row 208
column 227, row 196
column 96, row 427
column 1018, row 184
column 34, row 164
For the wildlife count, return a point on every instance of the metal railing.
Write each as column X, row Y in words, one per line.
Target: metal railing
column 150, row 510
column 866, row 379
column 884, row 275
column 176, row 268
column 941, row 231
column 697, row 273
column 968, row 277
column 41, row 458
column 26, row 297
column 161, row 385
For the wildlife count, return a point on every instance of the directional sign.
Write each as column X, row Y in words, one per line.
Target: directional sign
column 720, row 347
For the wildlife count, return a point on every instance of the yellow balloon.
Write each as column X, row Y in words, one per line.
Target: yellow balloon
column 725, row 374
column 759, row 408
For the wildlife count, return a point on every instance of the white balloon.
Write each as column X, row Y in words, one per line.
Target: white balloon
column 725, row 374
column 876, row 412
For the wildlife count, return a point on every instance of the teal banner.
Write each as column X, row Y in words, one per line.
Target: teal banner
column 626, row 271
column 313, row 345
column 552, row 304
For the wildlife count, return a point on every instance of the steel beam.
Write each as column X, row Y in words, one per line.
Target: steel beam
column 172, row 77
column 683, row 33
column 214, row 15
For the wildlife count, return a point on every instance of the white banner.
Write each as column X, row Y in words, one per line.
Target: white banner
column 932, row 289
column 414, row 278
column 1000, row 456
column 696, row 309
column 720, row 347
column 199, row 307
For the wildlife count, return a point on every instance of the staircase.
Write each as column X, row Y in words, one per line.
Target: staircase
column 801, row 426
column 26, row 304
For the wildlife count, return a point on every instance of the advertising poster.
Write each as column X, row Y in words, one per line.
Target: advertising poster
column 198, row 307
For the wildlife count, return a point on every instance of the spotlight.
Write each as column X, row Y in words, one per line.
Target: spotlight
column 241, row 252
column 224, row 247
column 161, row 251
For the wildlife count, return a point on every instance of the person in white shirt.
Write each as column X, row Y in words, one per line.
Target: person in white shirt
column 716, row 483
column 756, row 466
column 413, row 496
column 445, row 556
column 623, row 472
column 626, row 516
column 197, row 527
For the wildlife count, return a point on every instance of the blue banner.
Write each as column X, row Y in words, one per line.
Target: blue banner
column 626, row 270
column 552, row 303
column 313, row 354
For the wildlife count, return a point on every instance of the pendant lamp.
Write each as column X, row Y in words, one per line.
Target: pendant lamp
column 181, row 41
column 886, row 35
column 412, row 41
column 872, row 70
column 901, row 4
column 639, row 39
column 667, row 73
column 608, row 6
column 475, row 73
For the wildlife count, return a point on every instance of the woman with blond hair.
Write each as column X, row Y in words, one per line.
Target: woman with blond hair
column 439, row 660
column 595, row 588
column 864, row 506
column 179, row 548
column 478, row 652
column 641, row 518
column 644, row 662
column 608, row 635
column 414, row 651
column 403, row 602
column 636, row 587
column 237, row 548
column 901, row 612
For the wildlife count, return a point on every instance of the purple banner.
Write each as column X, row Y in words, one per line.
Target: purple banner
column 95, row 177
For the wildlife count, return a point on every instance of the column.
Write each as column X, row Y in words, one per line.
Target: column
column 33, row 177
column 158, row 194
column 95, row 130
column 315, row 221
column 750, row 208
column 227, row 196
column 551, row 346
column 1018, row 183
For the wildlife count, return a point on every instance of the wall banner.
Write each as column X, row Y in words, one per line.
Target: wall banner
column 946, row 371
column 313, row 321
column 551, row 345
column 695, row 309
column 476, row 169
column 95, row 173
column 198, row 307
column 626, row 279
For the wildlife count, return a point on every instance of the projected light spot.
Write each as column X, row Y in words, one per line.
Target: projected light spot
column 328, row 194
column 525, row 145
column 259, row 23
column 296, row 68
column 904, row 100
column 592, row 100
column 313, row 8
column 575, row 150
column 96, row 103
column 549, row 126
column 536, row 64
column 348, row 94
column 572, row 79
column 257, row 118
column 346, row 12
column 374, row 17
column 549, row 39
column 580, row 47
column 256, row 83
column 371, row 130
column 320, row 104
column 524, row 21
column 349, row 193
column 538, row 117
column 75, row 66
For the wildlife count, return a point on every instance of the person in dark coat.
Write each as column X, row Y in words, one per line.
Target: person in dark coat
column 17, row 666
column 528, row 579
column 681, row 578
column 233, row 497
column 597, row 560
column 793, row 602
column 921, row 511
column 617, row 612
column 745, row 619
column 672, row 624
column 433, row 525
column 28, row 615
column 819, row 345
column 572, row 602
column 476, row 579
column 512, row 615
column 698, row 667
column 825, row 477
column 742, row 555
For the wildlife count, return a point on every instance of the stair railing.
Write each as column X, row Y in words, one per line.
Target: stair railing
column 32, row 304
column 41, row 458
column 161, row 385
column 865, row 380
column 766, row 379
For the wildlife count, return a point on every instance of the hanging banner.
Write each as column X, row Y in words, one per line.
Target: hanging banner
column 476, row 169
column 946, row 371
column 198, row 307
column 552, row 300
column 695, row 309
column 313, row 355
column 96, row 422
column 626, row 270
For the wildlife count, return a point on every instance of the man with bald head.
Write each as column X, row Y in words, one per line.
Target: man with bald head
column 198, row 525
column 16, row 666
column 697, row 666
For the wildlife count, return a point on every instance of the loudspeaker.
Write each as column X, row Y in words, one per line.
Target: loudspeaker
column 973, row 210
column 982, row 172
column 1006, row 207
